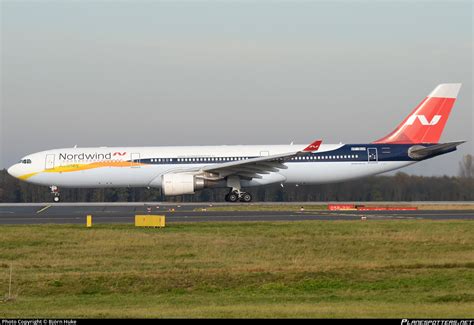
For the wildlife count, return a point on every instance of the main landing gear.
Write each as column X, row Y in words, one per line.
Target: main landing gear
column 235, row 196
column 235, row 193
column 55, row 192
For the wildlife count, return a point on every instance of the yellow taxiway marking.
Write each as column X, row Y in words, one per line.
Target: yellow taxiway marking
column 43, row 209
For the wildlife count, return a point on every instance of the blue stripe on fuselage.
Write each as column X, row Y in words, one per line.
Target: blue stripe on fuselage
column 346, row 153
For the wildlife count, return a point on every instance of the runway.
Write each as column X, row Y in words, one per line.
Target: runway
column 68, row 213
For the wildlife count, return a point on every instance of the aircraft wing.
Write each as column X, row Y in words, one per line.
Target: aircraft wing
column 255, row 167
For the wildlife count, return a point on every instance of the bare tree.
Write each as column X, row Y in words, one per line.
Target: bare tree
column 466, row 167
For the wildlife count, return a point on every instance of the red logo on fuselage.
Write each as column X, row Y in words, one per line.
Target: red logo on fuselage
column 119, row 153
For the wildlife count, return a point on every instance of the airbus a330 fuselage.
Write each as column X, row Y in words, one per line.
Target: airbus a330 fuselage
column 184, row 170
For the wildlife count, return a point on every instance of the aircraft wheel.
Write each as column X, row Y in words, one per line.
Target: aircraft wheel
column 246, row 197
column 233, row 197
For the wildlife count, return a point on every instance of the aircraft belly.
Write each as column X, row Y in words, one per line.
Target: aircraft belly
column 265, row 180
column 327, row 172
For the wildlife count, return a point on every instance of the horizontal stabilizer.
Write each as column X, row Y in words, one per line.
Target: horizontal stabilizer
column 421, row 152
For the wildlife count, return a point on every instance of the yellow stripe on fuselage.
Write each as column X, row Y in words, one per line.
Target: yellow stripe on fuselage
column 79, row 167
column 26, row 176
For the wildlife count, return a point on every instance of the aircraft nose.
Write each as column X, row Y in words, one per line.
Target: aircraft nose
column 13, row 170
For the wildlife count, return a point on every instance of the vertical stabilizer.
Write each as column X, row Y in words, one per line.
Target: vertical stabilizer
column 426, row 123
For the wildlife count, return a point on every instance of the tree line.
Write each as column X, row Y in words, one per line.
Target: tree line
column 399, row 187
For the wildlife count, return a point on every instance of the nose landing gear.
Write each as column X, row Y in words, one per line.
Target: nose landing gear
column 55, row 192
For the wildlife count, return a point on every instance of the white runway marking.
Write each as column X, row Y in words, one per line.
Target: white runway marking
column 43, row 209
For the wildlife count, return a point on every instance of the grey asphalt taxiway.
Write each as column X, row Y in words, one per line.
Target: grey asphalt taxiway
column 72, row 213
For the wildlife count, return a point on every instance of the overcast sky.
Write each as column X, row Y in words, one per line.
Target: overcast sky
column 105, row 73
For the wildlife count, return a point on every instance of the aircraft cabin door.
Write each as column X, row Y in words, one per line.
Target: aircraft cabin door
column 264, row 153
column 135, row 160
column 372, row 155
column 49, row 163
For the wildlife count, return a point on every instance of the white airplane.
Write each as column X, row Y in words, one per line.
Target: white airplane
column 184, row 170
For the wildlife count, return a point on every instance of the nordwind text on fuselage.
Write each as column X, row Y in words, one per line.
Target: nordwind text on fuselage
column 85, row 156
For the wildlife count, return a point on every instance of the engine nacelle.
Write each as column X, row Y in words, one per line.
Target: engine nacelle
column 180, row 183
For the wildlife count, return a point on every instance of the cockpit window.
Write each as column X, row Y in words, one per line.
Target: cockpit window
column 25, row 161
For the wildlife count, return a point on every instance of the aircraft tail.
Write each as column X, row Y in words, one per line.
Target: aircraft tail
column 426, row 123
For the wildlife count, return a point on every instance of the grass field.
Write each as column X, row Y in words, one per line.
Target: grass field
column 309, row 206
column 265, row 207
column 294, row 269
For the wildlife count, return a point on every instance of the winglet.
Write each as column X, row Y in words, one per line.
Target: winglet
column 313, row 146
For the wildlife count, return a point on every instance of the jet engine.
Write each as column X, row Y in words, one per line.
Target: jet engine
column 181, row 183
